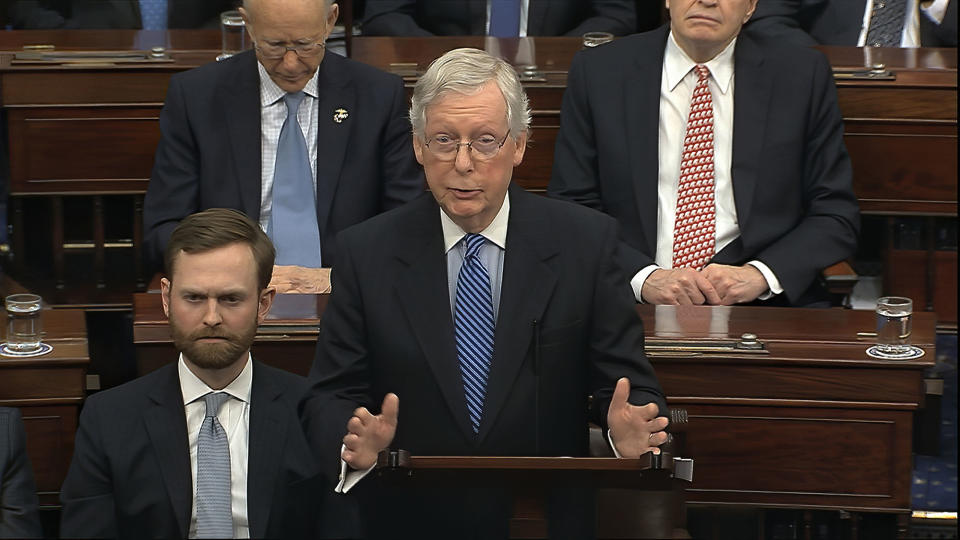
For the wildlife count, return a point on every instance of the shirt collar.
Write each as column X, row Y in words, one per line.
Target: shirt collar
column 193, row 388
column 496, row 232
column 270, row 93
column 676, row 65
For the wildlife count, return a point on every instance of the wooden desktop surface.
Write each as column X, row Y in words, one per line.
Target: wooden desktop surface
column 812, row 422
column 49, row 391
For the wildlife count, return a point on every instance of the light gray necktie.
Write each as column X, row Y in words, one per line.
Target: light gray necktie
column 293, row 219
column 214, row 515
column 886, row 23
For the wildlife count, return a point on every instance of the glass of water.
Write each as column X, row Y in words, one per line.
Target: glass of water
column 233, row 33
column 893, row 324
column 24, row 326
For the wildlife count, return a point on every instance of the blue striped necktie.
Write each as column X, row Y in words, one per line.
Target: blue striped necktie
column 214, row 515
column 474, row 327
column 293, row 219
column 504, row 18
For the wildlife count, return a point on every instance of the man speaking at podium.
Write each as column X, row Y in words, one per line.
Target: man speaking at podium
column 476, row 320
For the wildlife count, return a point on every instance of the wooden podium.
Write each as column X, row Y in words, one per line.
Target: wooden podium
column 530, row 479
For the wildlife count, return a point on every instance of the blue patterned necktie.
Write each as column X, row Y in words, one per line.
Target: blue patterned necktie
column 293, row 220
column 474, row 327
column 214, row 515
column 886, row 23
column 153, row 14
column 504, row 18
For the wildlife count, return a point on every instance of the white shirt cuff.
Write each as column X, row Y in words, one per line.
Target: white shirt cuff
column 935, row 10
column 637, row 282
column 773, row 284
column 348, row 476
column 610, row 440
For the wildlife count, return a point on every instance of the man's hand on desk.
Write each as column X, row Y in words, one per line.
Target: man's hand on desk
column 634, row 430
column 679, row 286
column 298, row 279
column 735, row 284
column 368, row 434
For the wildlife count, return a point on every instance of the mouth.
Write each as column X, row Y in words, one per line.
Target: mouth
column 702, row 18
column 211, row 339
column 463, row 193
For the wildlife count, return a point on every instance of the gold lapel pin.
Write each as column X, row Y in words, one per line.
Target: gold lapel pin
column 340, row 115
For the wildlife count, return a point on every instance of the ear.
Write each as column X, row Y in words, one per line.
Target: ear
column 750, row 11
column 332, row 17
column 266, row 300
column 418, row 149
column 518, row 152
column 165, row 286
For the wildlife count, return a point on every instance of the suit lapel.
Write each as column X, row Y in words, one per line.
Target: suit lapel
column 268, row 426
column 751, row 99
column 423, row 293
column 642, row 105
column 241, row 108
column 337, row 97
column 166, row 425
column 528, row 282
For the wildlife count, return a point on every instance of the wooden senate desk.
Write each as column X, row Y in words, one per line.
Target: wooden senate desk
column 49, row 390
column 89, row 127
column 808, row 422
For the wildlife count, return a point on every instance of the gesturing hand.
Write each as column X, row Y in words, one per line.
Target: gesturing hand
column 634, row 430
column 368, row 434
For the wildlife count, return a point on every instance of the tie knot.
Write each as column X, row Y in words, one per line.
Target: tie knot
column 473, row 242
column 214, row 400
column 293, row 102
column 703, row 72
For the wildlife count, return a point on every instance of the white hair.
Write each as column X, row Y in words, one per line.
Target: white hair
column 467, row 71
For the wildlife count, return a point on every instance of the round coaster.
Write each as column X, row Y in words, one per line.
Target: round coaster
column 911, row 353
column 8, row 352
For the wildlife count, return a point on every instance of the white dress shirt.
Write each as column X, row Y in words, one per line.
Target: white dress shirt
column 676, row 91
column 935, row 11
column 234, row 416
column 273, row 112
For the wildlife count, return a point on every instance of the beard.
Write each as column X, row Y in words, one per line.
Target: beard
column 216, row 355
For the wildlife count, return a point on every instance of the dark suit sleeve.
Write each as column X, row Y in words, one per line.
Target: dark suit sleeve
column 391, row 18
column 778, row 21
column 616, row 341
column 173, row 192
column 33, row 15
column 828, row 231
column 18, row 494
column 575, row 175
column 403, row 178
column 619, row 17
column 339, row 376
column 89, row 510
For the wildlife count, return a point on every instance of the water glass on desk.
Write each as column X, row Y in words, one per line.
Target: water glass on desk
column 894, row 314
column 24, row 326
column 233, row 34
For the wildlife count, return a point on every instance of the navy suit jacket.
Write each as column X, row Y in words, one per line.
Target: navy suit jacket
column 130, row 476
column 209, row 153
column 18, row 493
column 388, row 328
column 468, row 17
column 835, row 22
column 792, row 179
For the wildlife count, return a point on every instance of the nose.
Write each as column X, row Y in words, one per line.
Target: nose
column 211, row 316
column 464, row 160
column 290, row 61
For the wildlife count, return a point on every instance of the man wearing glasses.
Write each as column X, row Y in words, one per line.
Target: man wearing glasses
column 305, row 142
column 476, row 320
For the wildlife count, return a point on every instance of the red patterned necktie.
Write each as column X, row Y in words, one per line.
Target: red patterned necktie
column 694, row 231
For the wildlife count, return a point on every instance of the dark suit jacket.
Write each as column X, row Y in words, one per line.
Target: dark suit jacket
column 18, row 494
column 130, row 476
column 388, row 328
column 835, row 22
column 792, row 179
column 468, row 17
column 209, row 154
column 113, row 14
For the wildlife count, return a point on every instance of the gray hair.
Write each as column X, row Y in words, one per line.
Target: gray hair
column 466, row 71
column 247, row 4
